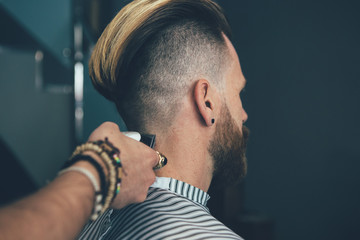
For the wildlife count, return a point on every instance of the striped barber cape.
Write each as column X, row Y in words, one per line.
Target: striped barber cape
column 172, row 210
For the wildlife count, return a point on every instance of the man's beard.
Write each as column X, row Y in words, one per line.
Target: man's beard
column 228, row 148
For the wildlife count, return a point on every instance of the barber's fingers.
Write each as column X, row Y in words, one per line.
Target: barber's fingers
column 161, row 159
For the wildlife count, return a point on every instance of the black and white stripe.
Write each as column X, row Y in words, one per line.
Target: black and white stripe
column 172, row 210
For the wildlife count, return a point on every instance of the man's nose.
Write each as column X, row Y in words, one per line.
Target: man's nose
column 245, row 116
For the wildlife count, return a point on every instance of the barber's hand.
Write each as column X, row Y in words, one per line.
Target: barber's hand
column 137, row 160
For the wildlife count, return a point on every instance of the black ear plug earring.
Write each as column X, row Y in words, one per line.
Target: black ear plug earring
column 213, row 120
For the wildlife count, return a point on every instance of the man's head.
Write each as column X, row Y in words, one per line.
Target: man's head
column 153, row 51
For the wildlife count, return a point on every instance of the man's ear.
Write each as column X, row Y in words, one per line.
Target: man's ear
column 204, row 101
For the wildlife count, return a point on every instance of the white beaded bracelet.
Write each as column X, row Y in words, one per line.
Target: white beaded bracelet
column 98, row 197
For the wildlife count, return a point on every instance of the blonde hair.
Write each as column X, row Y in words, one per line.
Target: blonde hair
column 129, row 51
column 106, row 56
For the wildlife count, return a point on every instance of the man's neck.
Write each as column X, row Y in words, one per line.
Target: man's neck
column 188, row 160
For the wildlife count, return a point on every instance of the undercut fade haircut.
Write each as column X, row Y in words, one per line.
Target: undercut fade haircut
column 152, row 52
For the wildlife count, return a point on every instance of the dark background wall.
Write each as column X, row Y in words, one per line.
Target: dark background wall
column 301, row 60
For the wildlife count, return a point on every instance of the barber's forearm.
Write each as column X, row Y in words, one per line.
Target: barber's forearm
column 58, row 211
column 61, row 209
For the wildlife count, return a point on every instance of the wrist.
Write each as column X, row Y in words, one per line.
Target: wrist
column 99, row 161
column 89, row 167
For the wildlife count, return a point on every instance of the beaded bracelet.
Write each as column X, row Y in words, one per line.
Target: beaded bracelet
column 110, row 156
column 99, row 194
column 113, row 153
